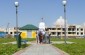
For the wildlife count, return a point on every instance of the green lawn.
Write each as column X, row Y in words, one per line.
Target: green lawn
column 78, row 48
column 5, row 40
column 56, row 39
column 9, row 49
column 29, row 39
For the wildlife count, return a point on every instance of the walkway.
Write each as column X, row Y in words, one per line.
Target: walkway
column 40, row 49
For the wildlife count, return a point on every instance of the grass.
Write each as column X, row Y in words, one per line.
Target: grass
column 9, row 49
column 78, row 48
column 29, row 39
column 56, row 39
column 5, row 40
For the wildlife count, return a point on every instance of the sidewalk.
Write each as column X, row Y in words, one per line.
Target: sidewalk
column 40, row 49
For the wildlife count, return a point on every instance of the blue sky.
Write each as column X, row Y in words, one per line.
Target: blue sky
column 31, row 12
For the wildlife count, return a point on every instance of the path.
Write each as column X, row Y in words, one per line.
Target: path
column 40, row 49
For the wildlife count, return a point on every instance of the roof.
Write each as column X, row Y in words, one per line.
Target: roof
column 29, row 27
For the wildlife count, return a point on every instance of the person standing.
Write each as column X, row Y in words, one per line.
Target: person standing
column 48, row 36
column 43, row 33
column 40, row 37
column 37, row 37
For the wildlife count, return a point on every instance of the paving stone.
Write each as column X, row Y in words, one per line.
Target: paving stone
column 40, row 49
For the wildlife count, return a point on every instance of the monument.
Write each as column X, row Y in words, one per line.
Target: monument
column 42, row 25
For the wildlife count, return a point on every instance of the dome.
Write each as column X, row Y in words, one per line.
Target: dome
column 60, row 22
column 42, row 25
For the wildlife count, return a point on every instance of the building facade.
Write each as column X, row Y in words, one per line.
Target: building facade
column 29, row 31
column 58, row 29
column 71, row 31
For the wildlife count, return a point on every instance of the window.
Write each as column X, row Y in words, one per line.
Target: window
column 73, row 32
column 58, row 33
column 81, row 29
column 10, row 32
column 73, row 29
column 63, row 33
column 15, row 32
column 63, row 29
column 53, row 28
column 81, row 33
column 69, row 33
column 58, row 28
column 77, row 29
column 77, row 33
column 69, row 29
column 53, row 33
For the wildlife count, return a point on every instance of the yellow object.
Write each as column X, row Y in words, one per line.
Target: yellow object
column 33, row 34
column 23, row 35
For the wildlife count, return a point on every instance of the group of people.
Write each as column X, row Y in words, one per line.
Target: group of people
column 43, row 36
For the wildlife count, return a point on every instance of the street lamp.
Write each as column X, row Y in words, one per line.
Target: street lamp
column 64, row 4
column 17, row 33
column 16, row 5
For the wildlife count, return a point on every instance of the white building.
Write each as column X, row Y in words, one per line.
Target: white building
column 71, row 30
column 6, row 31
column 57, row 30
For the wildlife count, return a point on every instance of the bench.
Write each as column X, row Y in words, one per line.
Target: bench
column 24, row 41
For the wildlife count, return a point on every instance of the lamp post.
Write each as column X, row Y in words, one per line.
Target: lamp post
column 16, row 5
column 17, row 33
column 64, row 4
